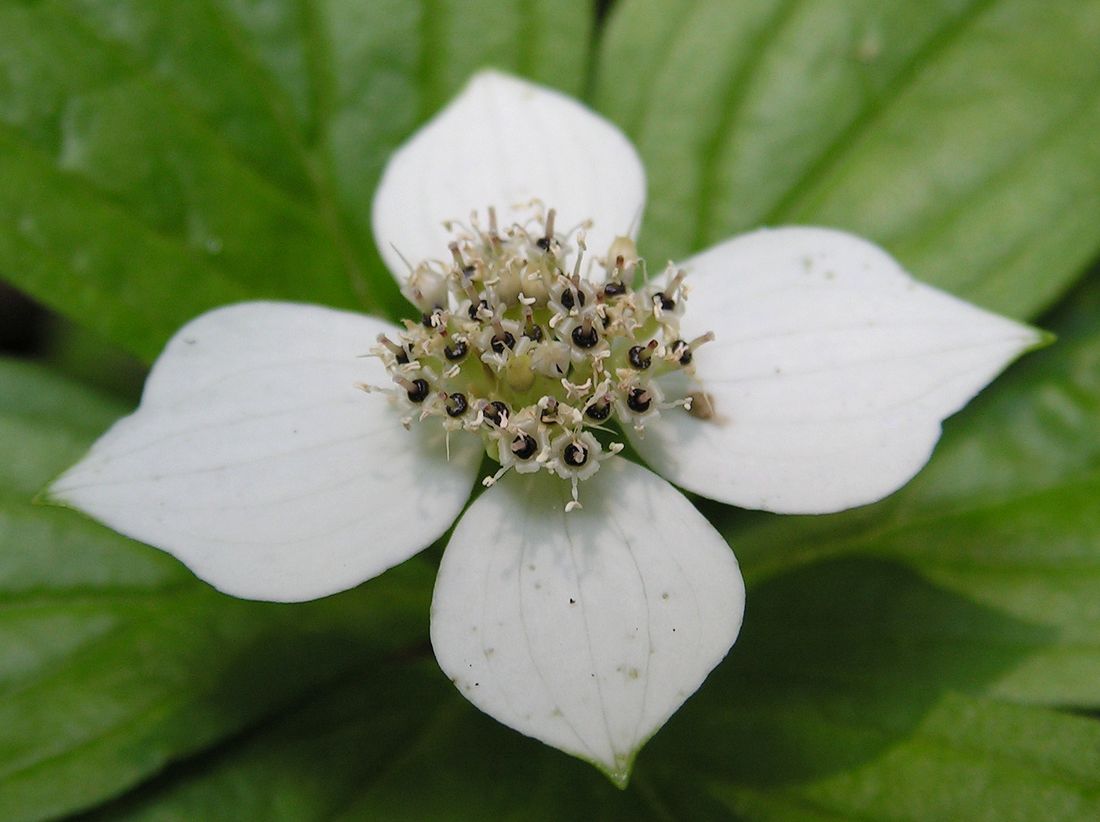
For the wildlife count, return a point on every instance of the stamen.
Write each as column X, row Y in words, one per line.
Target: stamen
column 639, row 400
column 549, row 407
column 531, row 329
column 478, row 308
column 599, row 410
column 663, row 301
column 641, row 357
column 533, row 326
column 496, row 412
column 456, row 404
column 524, row 446
column 494, row 235
column 584, row 335
column 398, row 352
column 456, row 350
column 456, row 254
column 417, row 390
column 575, row 454
column 544, row 241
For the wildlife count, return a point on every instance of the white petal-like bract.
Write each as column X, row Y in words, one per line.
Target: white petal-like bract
column 830, row 376
column 587, row 629
column 256, row 460
column 503, row 142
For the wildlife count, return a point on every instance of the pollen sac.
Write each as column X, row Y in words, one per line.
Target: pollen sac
column 517, row 345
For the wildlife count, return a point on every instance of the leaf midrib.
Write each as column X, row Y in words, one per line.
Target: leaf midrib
column 874, row 108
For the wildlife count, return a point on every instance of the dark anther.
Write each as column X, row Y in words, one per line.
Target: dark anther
column 667, row 304
column 614, row 288
column 502, row 341
column 543, row 243
column 599, row 410
column 426, row 320
column 455, row 352
column 474, row 309
column 456, row 405
column 419, row 391
column 638, row 400
column 533, row 332
column 682, row 351
column 496, row 412
column 570, row 298
column 524, row 446
column 549, row 414
column 575, row 454
column 469, row 271
column 585, row 339
column 402, row 357
column 639, row 357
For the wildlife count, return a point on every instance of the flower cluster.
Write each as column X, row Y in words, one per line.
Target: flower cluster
column 518, row 343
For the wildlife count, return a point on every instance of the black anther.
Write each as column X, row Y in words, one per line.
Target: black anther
column 599, row 410
column 682, row 351
column 502, row 341
column 639, row 357
column 496, row 412
column 474, row 309
column 455, row 352
column 456, row 405
column 543, row 243
column 524, row 446
column 637, row 400
column 667, row 303
column 533, row 332
column 585, row 339
column 614, row 288
column 575, row 454
column 570, row 298
column 419, row 391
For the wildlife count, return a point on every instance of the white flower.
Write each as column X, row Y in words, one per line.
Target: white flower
column 255, row 460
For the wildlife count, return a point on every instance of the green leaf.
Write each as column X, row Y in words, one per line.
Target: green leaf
column 169, row 157
column 395, row 742
column 960, row 134
column 1004, row 515
column 784, row 730
column 856, row 693
column 114, row 660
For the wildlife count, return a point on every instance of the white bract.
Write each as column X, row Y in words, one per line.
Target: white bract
column 579, row 606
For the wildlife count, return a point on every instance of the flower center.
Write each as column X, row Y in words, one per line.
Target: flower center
column 519, row 344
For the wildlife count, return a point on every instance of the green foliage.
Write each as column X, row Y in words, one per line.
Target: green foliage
column 160, row 158
column 910, row 660
column 113, row 658
column 959, row 134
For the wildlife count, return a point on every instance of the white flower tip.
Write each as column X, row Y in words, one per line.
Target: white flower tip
column 586, row 631
column 830, row 375
column 504, row 142
column 619, row 771
column 490, row 75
